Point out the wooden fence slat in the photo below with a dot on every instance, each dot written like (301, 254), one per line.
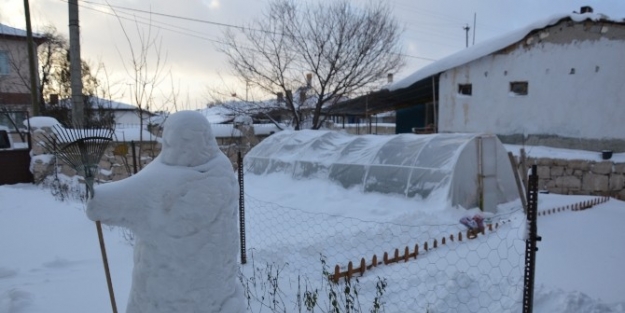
(350, 269)
(337, 274)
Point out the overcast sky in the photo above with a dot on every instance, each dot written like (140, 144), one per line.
(433, 29)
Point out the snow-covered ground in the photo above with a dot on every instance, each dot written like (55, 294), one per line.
(50, 259)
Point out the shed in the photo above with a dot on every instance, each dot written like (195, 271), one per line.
(470, 170)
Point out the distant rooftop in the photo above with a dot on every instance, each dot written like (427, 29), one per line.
(16, 32)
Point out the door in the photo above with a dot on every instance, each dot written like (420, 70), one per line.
(489, 187)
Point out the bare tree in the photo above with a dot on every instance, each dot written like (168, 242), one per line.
(144, 65)
(315, 54)
(55, 71)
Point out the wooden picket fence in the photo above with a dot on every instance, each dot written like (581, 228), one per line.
(580, 206)
(407, 254)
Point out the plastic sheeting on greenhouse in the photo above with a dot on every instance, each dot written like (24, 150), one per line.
(472, 169)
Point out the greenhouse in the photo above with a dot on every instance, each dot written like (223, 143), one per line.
(471, 170)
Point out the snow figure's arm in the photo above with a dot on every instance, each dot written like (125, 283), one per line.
(120, 203)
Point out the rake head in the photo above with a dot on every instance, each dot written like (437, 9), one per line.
(80, 148)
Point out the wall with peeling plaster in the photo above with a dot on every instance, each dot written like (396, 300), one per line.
(576, 89)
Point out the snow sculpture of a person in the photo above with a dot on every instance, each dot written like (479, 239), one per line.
(182, 210)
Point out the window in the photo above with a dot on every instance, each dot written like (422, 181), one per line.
(4, 63)
(4, 140)
(465, 89)
(518, 88)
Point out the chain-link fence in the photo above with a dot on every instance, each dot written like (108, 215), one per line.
(294, 255)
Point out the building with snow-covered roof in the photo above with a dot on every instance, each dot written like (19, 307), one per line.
(122, 114)
(556, 82)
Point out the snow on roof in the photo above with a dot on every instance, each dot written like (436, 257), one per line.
(41, 121)
(490, 46)
(12, 31)
(217, 114)
(110, 104)
(96, 102)
(228, 130)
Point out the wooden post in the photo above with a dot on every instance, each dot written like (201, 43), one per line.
(443, 241)
(517, 179)
(385, 258)
(374, 261)
(396, 256)
(363, 266)
(435, 244)
(416, 250)
(350, 270)
(524, 168)
(451, 237)
(460, 236)
(337, 274)
(425, 246)
(406, 254)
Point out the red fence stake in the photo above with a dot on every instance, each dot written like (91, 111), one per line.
(350, 269)
(337, 274)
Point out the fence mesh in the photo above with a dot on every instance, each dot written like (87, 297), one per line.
(293, 253)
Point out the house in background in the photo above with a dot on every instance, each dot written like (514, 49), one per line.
(118, 114)
(558, 82)
(15, 74)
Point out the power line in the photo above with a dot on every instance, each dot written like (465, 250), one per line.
(176, 17)
(201, 21)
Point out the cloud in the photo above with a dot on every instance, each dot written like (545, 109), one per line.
(213, 4)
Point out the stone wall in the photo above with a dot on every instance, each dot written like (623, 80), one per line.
(580, 177)
(117, 162)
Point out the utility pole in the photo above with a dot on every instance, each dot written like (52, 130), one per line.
(466, 30)
(34, 90)
(78, 106)
(474, 26)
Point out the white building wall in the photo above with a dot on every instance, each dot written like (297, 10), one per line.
(588, 104)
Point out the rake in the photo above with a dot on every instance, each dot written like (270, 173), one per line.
(82, 149)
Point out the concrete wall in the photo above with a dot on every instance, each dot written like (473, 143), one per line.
(580, 177)
(575, 74)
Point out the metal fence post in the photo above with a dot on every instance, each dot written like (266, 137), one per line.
(134, 157)
(530, 242)
(241, 208)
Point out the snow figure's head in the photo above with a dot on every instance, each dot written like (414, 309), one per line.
(188, 140)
